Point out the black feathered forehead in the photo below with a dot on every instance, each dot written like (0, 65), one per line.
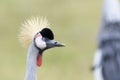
(47, 33)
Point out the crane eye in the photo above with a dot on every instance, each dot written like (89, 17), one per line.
(45, 39)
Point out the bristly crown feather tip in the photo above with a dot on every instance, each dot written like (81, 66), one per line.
(29, 28)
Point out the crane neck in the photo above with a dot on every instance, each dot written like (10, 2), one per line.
(31, 73)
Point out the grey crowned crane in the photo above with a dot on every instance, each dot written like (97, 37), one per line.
(36, 34)
(107, 56)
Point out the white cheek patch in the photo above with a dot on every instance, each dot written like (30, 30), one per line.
(40, 43)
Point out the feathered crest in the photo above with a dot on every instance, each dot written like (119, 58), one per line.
(30, 27)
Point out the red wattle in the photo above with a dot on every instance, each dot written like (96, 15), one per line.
(39, 60)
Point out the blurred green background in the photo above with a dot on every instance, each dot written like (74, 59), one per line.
(74, 22)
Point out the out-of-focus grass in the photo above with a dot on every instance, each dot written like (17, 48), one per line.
(75, 22)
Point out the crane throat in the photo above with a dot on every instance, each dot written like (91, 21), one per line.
(39, 60)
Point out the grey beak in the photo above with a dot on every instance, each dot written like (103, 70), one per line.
(58, 44)
(53, 43)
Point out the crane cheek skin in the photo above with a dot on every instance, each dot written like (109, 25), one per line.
(40, 43)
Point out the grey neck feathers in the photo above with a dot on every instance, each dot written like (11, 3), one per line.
(31, 63)
(110, 24)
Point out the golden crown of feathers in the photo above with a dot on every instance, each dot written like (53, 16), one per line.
(31, 27)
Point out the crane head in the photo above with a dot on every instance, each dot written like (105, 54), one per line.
(45, 40)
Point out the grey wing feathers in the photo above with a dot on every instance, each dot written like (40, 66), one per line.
(111, 60)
